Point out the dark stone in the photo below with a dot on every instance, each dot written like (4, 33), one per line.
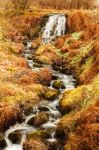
(58, 84)
(54, 77)
(24, 43)
(39, 119)
(60, 133)
(37, 65)
(15, 137)
(3, 143)
(55, 145)
(43, 108)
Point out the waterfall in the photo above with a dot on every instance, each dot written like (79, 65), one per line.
(56, 26)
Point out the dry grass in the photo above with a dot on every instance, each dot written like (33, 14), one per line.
(78, 20)
(86, 134)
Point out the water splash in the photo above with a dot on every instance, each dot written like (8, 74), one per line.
(56, 26)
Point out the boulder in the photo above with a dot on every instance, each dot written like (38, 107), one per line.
(51, 95)
(58, 84)
(15, 137)
(3, 143)
(39, 119)
(39, 134)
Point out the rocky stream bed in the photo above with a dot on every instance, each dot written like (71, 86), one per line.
(43, 119)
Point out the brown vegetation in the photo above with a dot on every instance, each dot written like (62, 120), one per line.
(86, 134)
(82, 21)
(34, 145)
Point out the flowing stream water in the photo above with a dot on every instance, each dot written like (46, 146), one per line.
(53, 28)
(56, 26)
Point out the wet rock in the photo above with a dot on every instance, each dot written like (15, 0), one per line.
(37, 65)
(31, 121)
(29, 57)
(55, 145)
(58, 84)
(29, 110)
(51, 95)
(24, 43)
(3, 143)
(39, 119)
(60, 133)
(40, 134)
(43, 108)
(15, 137)
(54, 77)
(34, 145)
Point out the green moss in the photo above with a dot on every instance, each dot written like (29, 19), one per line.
(76, 35)
(87, 64)
(51, 94)
(86, 49)
(80, 97)
(38, 134)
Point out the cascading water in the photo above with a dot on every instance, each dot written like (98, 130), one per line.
(53, 28)
(56, 26)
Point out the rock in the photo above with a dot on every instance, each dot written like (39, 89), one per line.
(55, 145)
(15, 137)
(34, 145)
(3, 143)
(31, 121)
(39, 119)
(24, 43)
(43, 108)
(58, 84)
(37, 65)
(29, 110)
(29, 57)
(39, 134)
(51, 95)
(54, 77)
(60, 133)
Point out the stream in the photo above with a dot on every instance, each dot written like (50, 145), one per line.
(53, 28)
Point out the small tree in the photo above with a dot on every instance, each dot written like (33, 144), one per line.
(20, 4)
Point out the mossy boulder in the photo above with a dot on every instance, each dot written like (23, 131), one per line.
(3, 143)
(37, 65)
(39, 134)
(39, 119)
(51, 94)
(15, 137)
(58, 84)
(55, 145)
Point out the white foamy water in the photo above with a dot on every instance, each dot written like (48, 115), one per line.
(55, 26)
(14, 147)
